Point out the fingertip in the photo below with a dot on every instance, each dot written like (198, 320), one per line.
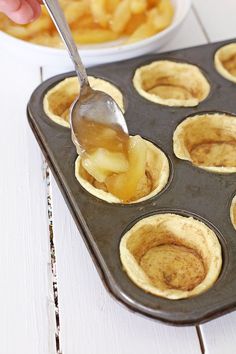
(23, 15)
(37, 13)
(34, 18)
(10, 5)
(36, 9)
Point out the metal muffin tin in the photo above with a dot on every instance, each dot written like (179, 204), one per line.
(190, 190)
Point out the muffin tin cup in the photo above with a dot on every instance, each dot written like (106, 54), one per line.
(191, 191)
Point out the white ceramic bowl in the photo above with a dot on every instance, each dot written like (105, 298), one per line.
(95, 54)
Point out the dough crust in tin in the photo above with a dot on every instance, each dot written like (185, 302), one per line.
(225, 61)
(172, 84)
(208, 141)
(171, 256)
(58, 100)
(233, 212)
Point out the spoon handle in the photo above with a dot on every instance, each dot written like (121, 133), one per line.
(59, 20)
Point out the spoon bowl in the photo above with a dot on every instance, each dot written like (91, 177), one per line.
(93, 106)
(98, 107)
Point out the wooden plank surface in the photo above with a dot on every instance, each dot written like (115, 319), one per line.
(217, 18)
(189, 35)
(219, 336)
(26, 305)
(91, 322)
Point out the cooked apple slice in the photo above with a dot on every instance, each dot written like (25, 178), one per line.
(95, 171)
(125, 184)
(103, 163)
(110, 161)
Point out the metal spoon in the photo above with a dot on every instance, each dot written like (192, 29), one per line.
(92, 105)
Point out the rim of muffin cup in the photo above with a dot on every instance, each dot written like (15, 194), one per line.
(185, 72)
(137, 275)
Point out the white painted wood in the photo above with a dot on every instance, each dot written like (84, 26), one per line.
(189, 35)
(26, 306)
(218, 20)
(219, 336)
(217, 17)
(91, 322)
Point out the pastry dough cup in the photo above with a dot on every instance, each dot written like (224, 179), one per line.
(233, 212)
(172, 84)
(58, 100)
(225, 61)
(171, 256)
(208, 141)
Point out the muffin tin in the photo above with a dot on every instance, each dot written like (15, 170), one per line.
(190, 191)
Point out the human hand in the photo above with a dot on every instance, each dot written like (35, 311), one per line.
(21, 11)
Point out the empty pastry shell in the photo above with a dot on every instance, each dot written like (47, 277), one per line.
(225, 61)
(171, 256)
(233, 212)
(157, 175)
(58, 100)
(172, 84)
(208, 141)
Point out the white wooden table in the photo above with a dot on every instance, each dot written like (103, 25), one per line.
(91, 322)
